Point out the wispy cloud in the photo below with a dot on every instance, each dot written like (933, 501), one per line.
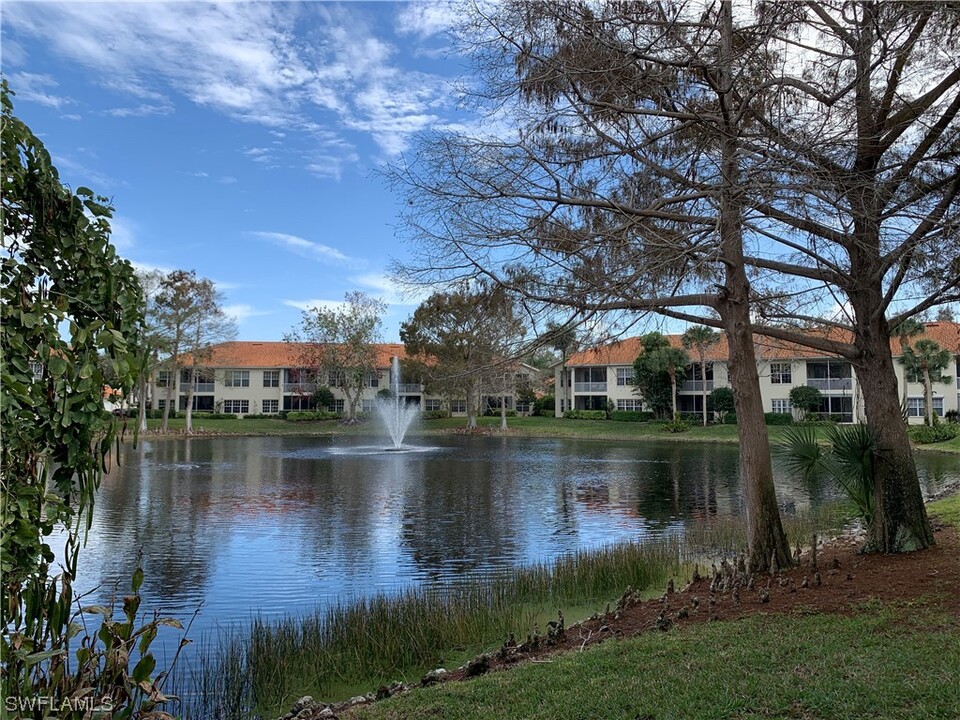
(242, 312)
(426, 19)
(34, 87)
(308, 248)
(308, 305)
(251, 62)
(388, 290)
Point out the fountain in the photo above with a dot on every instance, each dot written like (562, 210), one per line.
(394, 411)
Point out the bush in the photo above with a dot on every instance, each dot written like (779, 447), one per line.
(926, 434)
(677, 425)
(435, 414)
(201, 415)
(262, 416)
(730, 419)
(495, 412)
(772, 418)
(586, 414)
(546, 405)
(311, 416)
(952, 416)
(691, 418)
(631, 415)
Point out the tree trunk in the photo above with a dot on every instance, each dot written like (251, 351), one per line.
(673, 389)
(503, 412)
(900, 522)
(171, 383)
(472, 402)
(142, 408)
(766, 539)
(928, 395)
(188, 423)
(703, 386)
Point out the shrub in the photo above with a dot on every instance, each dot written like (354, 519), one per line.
(952, 416)
(263, 416)
(495, 412)
(926, 434)
(585, 414)
(435, 414)
(805, 398)
(545, 406)
(201, 415)
(772, 418)
(631, 415)
(720, 400)
(730, 419)
(677, 425)
(311, 416)
(691, 418)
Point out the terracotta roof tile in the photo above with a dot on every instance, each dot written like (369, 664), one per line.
(253, 354)
(625, 351)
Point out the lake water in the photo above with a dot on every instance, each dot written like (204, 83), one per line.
(276, 525)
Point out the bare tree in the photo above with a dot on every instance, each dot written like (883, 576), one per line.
(187, 320)
(667, 159)
(340, 345)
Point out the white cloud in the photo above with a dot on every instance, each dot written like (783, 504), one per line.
(227, 180)
(123, 232)
(144, 268)
(388, 290)
(72, 116)
(425, 19)
(242, 312)
(308, 248)
(308, 305)
(34, 87)
(307, 68)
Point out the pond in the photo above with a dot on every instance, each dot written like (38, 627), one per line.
(278, 525)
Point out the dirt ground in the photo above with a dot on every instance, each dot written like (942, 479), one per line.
(847, 580)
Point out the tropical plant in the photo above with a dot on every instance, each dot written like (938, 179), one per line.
(323, 397)
(721, 402)
(905, 331)
(925, 362)
(849, 460)
(657, 368)
(700, 338)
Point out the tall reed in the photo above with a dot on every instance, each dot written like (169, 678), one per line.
(369, 641)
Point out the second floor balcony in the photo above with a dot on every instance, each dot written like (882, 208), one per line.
(696, 385)
(828, 384)
(197, 387)
(590, 387)
(409, 388)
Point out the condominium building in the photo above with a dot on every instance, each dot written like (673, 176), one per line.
(246, 378)
(592, 378)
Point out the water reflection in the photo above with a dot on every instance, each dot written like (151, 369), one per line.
(277, 524)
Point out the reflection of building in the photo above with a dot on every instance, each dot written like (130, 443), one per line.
(266, 378)
(589, 379)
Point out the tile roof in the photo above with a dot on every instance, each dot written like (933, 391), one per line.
(253, 354)
(625, 351)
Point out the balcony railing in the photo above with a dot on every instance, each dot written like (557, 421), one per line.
(303, 388)
(590, 387)
(198, 387)
(409, 388)
(695, 386)
(830, 383)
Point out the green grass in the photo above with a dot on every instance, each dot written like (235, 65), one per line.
(526, 426)
(868, 666)
(947, 509)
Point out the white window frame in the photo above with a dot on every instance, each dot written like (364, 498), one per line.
(236, 378)
(781, 373)
(271, 378)
(458, 406)
(917, 407)
(624, 376)
(630, 404)
(432, 404)
(781, 405)
(271, 406)
(236, 407)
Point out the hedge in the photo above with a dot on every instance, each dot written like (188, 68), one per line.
(925, 434)
(773, 418)
(316, 415)
(586, 414)
(435, 414)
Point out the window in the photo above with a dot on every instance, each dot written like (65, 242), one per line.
(271, 378)
(369, 406)
(237, 378)
(633, 405)
(781, 374)
(337, 406)
(429, 405)
(780, 405)
(271, 406)
(624, 376)
(163, 378)
(371, 380)
(916, 407)
(458, 406)
(237, 406)
(161, 404)
(298, 402)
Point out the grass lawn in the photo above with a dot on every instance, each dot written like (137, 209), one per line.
(523, 426)
(872, 665)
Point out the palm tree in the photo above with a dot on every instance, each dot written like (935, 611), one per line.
(904, 332)
(925, 362)
(672, 361)
(700, 338)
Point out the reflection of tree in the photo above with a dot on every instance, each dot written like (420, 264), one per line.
(463, 518)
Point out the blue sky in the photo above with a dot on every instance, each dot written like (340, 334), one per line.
(239, 140)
